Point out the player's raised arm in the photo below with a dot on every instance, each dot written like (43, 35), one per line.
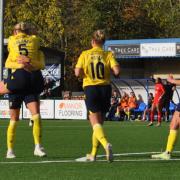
(172, 80)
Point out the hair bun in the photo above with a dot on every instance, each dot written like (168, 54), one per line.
(99, 36)
(22, 26)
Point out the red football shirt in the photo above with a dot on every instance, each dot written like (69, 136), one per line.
(159, 91)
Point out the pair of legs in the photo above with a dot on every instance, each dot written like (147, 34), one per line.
(119, 110)
(146, 111)
(127, 113)
(173, 133)
(34, 108)
(158, 108)
(122, 112)
(98, 103)
(167, 112)
(98, 136)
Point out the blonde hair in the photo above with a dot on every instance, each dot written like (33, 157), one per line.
(99, 36)
(22, 26)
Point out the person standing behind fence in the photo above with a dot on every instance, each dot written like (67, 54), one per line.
(148, 107)
(94, 66)
(132, 104)
(123, 105)
(157, 103)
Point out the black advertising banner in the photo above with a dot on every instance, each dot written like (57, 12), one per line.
(125, 50)
(178, 49)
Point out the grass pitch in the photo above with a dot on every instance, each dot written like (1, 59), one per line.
(65, 141)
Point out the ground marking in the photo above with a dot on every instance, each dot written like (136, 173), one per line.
(98, 160)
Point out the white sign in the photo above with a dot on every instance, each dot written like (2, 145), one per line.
(53, 72)
(46, 110)
(158, 49)
(70, 109)
(4, 109)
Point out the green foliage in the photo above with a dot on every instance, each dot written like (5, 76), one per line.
(45, 15)
(166, 14)
(68, 24)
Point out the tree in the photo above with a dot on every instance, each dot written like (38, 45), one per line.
(68, 24)
(166, 14)
(46, 15)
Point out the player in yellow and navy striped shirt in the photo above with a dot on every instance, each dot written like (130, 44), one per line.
(95, 66)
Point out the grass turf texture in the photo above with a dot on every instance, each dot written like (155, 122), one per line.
(68, 140)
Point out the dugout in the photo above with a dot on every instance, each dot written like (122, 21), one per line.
(144, 59)
(54, 71)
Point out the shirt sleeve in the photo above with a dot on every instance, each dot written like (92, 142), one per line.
(80, 62)
(10, 64)
(112, 60)
(37, 41)
(9, 43)
(40, 62)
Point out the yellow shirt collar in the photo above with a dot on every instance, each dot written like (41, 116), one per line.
(97, 48)
(21, 34)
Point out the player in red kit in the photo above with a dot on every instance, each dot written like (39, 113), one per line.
(157, 103)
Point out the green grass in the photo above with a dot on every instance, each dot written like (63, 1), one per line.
(68, 140)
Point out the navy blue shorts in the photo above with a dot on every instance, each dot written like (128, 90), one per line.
(22, 81)
(178, 107)
(24, 86)
(97, 98)
(16, 100)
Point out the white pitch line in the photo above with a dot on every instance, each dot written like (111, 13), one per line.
(98, 160)
(139, 160)
(38, 162)
(135, 153)
(73, 161)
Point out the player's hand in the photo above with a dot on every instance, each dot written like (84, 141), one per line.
(28, 67)
(23, 59)
(171, 79)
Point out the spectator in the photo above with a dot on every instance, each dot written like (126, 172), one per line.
(114, 103)
(67, 95)
(115, 95)
(139, 99)
(120, 112)
(148, 107)
(132, 104)
(47, 92)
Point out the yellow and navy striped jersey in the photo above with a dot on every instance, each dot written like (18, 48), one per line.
(96, 64)
(23, 44)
